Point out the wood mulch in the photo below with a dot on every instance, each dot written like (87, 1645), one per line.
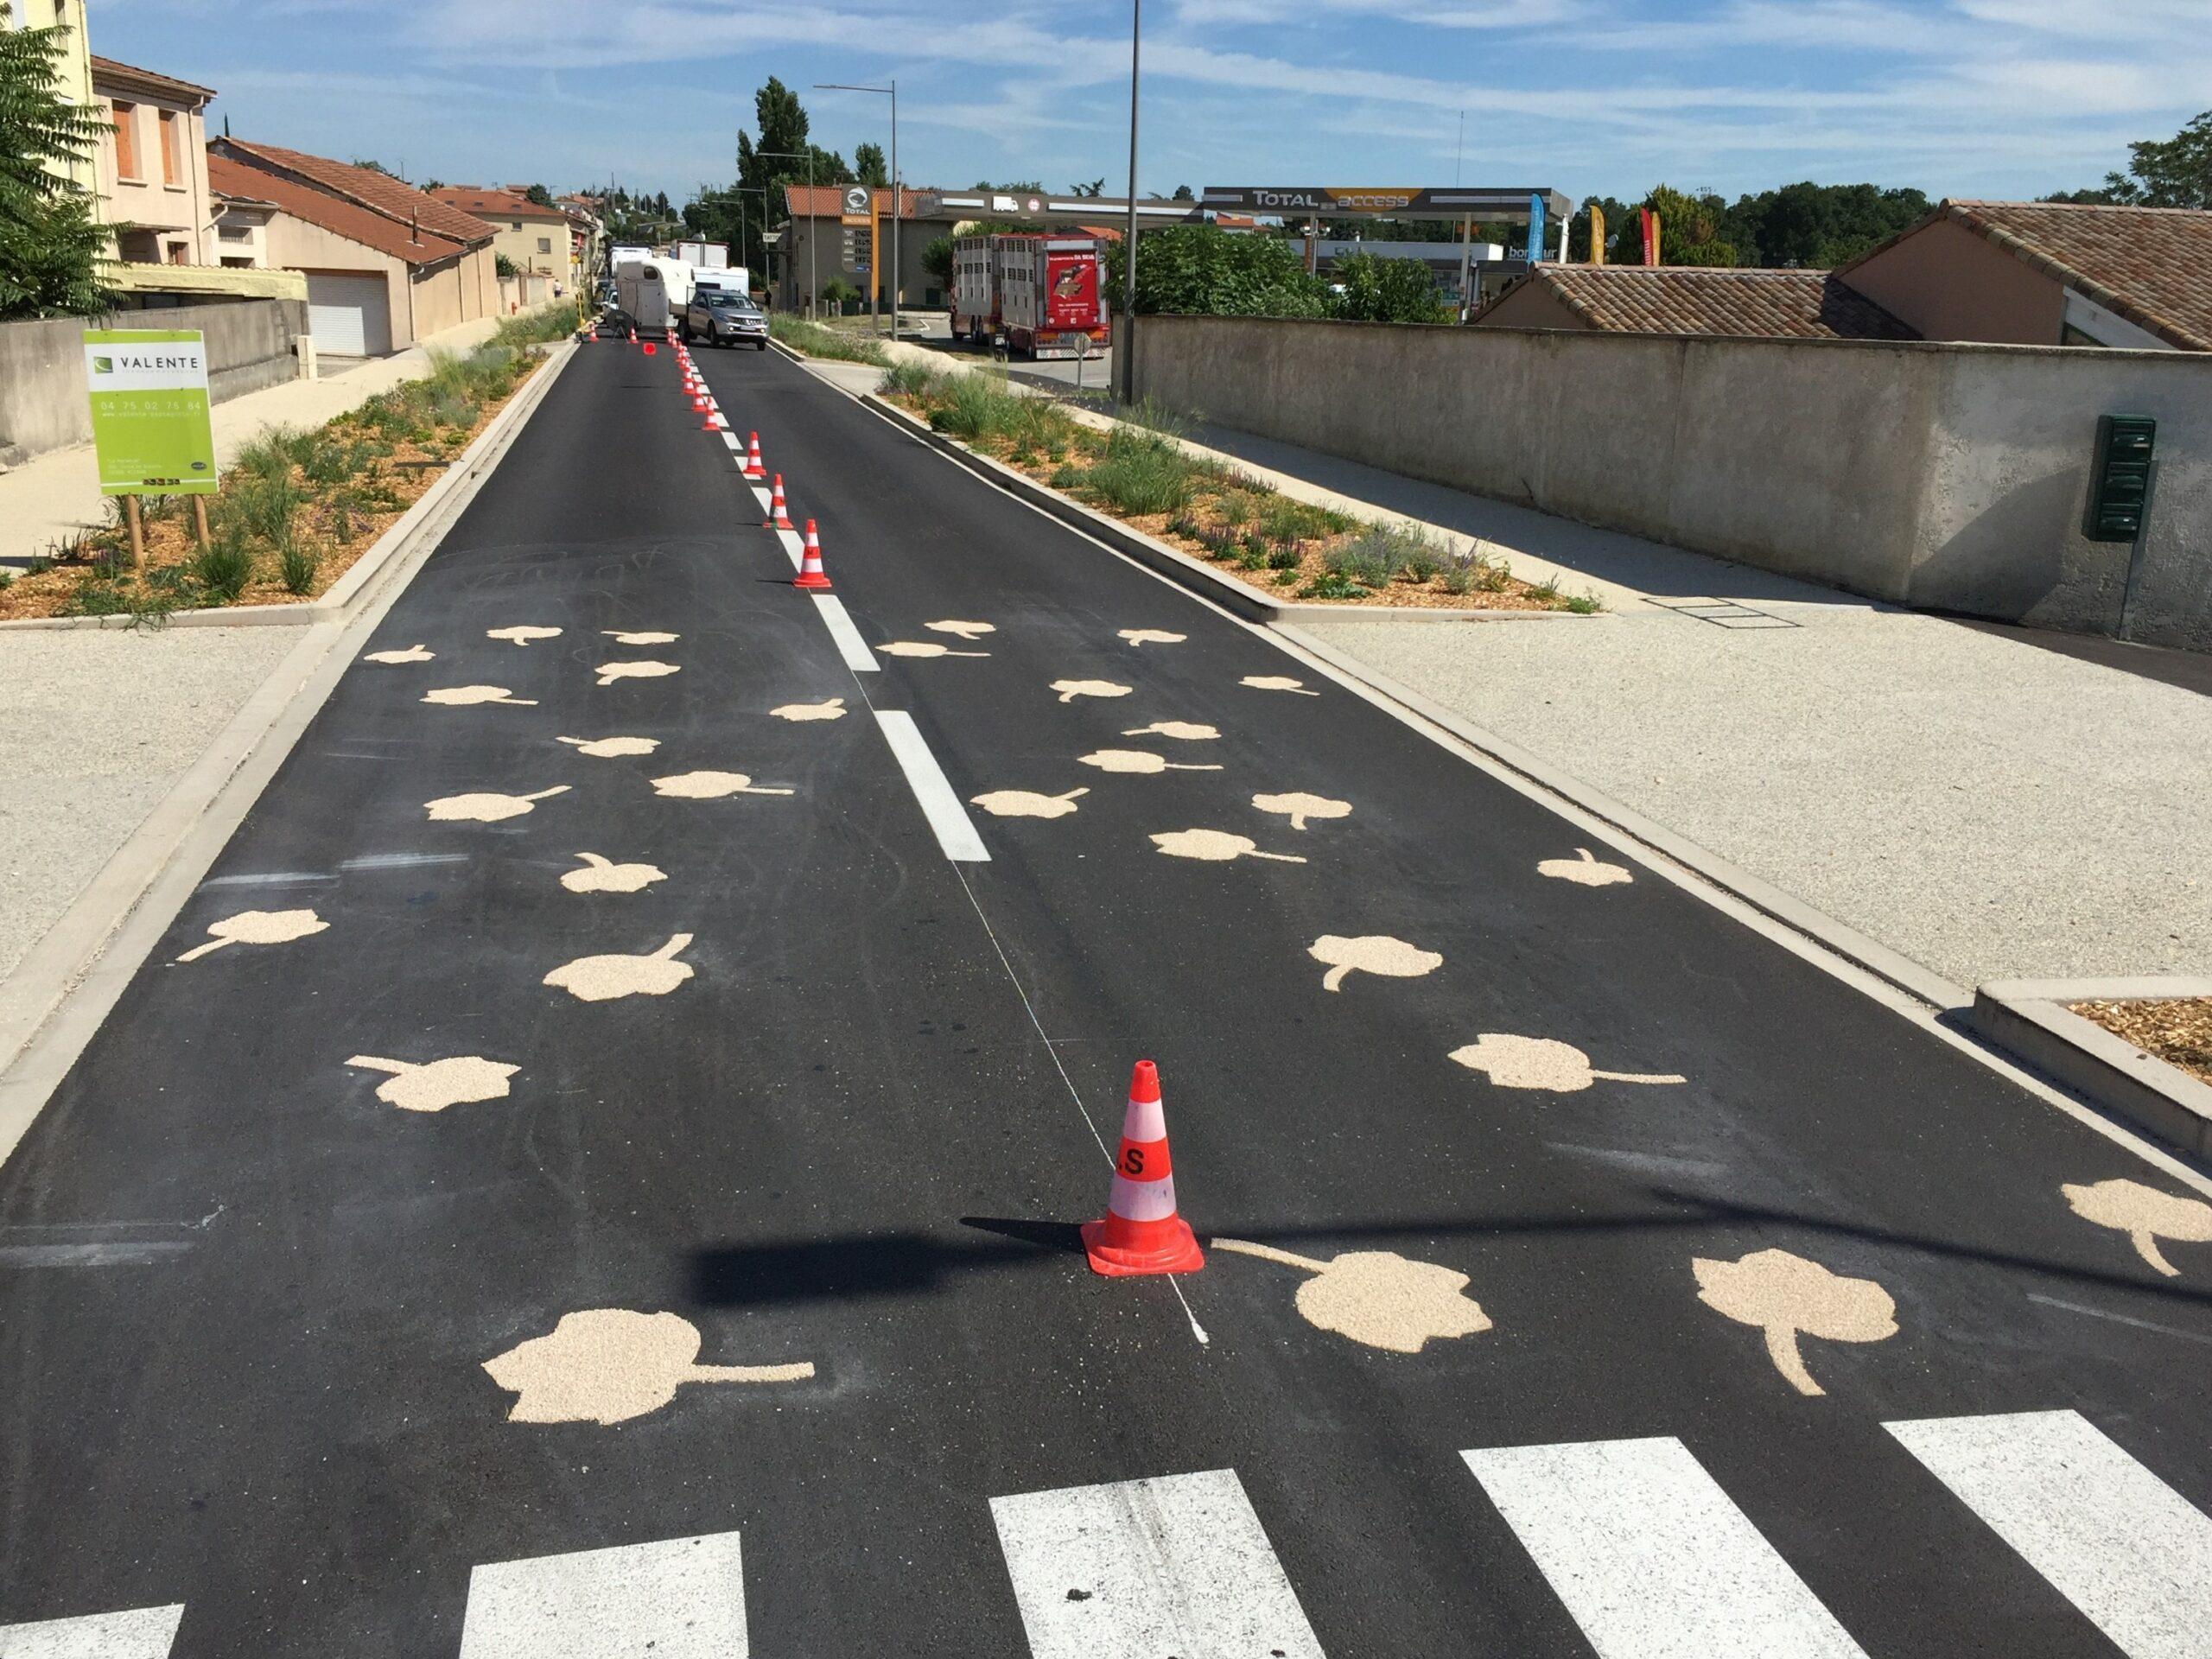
(2177, 1031)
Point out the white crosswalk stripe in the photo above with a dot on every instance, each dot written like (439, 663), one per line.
(140, 1633)
(1139, 1568)
(676, 1599)
(2114, 1539)
(1650, 1556)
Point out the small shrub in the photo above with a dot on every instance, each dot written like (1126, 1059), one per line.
(224, 567)
(1251, 559)
(268, 457)
(1236, 509)
(1332, 584)
(1284, 558)
(1458, 576)
(1219, 542)
(96, 598)
(1152, 416)
(296, 565)
(264, 507)
(1066, 476)
(1183, 524)
(914, 379)
(38, 565)
(326, 460)
(1583, 603)
(1547, 591)
(7, 579)
(1141, 472)
(1423, 566)
(1284, 578)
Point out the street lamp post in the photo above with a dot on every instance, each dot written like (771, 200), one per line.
(1125, 356)
(897, 190)
(807, 156)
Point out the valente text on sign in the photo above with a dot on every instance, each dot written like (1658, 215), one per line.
(148, 390)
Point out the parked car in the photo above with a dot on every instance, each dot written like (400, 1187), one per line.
(722, 318)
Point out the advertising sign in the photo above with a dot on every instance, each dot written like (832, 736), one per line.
(1072, 300)
(1341, 200)
(149, 389)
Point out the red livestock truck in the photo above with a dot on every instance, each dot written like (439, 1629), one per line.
(1045, 294)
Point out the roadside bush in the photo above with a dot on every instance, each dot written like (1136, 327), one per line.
(297, 564)
(1141, 472)
(264, 507)
(225, 566)
(974, 407)
(1284, 558)
(1332, 584)
(269, 456)
(816, 342)
(1235, 508)
(914, 379)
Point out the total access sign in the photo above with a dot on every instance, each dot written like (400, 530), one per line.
(148, 390)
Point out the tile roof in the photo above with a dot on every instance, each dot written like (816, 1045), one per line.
(497, 204)
(830, 199)
(380, 192)
(1707, 299)
(109, 69)
(242, 183)
(2150, 265)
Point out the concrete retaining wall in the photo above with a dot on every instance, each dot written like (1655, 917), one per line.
(1947, 476)
(42, 398)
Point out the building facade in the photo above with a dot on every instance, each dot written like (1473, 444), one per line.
(530, 237)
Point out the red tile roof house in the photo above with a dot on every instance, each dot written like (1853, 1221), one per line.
(387, 266)
(534, 238)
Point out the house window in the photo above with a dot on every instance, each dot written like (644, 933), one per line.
(126, 141)
(172, 157)
(180, 253)
(231, 232)
(545, 245)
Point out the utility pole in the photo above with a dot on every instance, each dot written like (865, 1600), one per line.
(1125, 351)
(876, 276)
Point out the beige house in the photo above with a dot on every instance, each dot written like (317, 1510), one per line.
(153, 165)
(75, 81)
(386, 265)
(531, 238)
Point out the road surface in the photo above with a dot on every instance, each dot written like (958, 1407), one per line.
(734, 1306)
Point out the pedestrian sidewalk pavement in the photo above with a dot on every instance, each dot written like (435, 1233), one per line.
(52, 497)
(1988, 802)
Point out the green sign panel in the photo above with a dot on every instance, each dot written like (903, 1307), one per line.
(149, 410)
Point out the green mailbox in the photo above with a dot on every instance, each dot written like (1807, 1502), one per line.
(2120, 483)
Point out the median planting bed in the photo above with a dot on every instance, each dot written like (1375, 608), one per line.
(296, 508)
(1137, 473)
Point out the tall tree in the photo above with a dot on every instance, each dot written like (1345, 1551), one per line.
(539, 195)
(1183, 193)
(867, 165)
(1095, 187)
(777, 158)
(2175, 172)
(51, 248)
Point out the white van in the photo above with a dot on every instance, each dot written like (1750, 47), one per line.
(653, 291)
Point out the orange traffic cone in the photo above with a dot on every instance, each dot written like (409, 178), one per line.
(716, 421)
(753, 469)
(810, 573)
(633, 336)
(779, 516)
(1141, 1232)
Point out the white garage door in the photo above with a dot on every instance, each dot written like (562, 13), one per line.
(348, 316)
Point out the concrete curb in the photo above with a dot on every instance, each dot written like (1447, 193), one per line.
(343, 594)
(1201, 578)
(2030, 1019)
(62, 989)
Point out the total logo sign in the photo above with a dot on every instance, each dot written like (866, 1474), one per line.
(1356, 199)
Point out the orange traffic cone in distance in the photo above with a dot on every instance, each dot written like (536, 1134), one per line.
(779, 516)
(810, 573)
(753, 469)
(1140, 1232)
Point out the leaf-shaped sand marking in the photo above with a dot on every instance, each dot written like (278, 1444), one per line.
(610, 672)
(1071, 690)
(465, 696)
(486, 807)
(924, 648)
(257, 927)
(433, 1085)
(603, 979)
(709, 786)
(609, 1365)
(608, 749)
(1588, 870)
(604, 875)
(639, 637)
(1788, 1296)
(1542, 1063)
(965, 630)
(1370, 953)
(1277, 683)
(522, 635)
(1216, 847)
(1190, 731)
(1378, 1298)
(1141, 762)
(2144, 1214)
(412, 654)
(833, 709)
(1299, 808)
(1152, 637)
(1028, 804)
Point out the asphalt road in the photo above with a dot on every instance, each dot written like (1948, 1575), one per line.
(247, 1304)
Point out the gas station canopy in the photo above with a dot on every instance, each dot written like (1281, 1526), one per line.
(1514, 204)
(1051, 209)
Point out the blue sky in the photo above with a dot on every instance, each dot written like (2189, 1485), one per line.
(1988, 97)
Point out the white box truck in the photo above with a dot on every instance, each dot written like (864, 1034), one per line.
(652, 292)
(704, 256)
(1044, 294)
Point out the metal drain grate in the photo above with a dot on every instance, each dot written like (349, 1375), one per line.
(1723, 613)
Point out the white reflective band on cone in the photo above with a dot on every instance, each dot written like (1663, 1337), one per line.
(1145, 1121)
(1142, 1200)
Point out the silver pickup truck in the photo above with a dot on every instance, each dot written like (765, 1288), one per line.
(722, 318)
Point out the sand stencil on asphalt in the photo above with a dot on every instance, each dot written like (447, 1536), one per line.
(830, 709)
(1189, 731)
(965, 630)
(923, 648)
(639, 637)
(609, 1365)
(2144, 1214)
(1299, 808)
(467, 696)
(521, 633)
(608, 749)
(1788, 1296)
(433, 1085)
(645, 669)
(1152, 637)
(488, 807)
(1028, 804)
(1377, 1298)
(604, 875)
(710, 785)
(1370, 953)
(1277, 683)
(1071, 690)
(1216, 847)
(1139, 762)
(1586, 869)
(604, 979)
(257, 927)
(1543, 1062)
(412, 654)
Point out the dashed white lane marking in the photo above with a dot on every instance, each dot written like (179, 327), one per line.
(733, 441)
(955, 831)
(1138, 1568)
(851, 646)
(678, 1598)
(2117, 1541)
(140, 1633)
(1650, 1556)
(766, 500)
(794, 546)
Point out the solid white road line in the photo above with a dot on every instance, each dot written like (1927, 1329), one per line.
(2117, 1541)
(851, 646)
(140, 1633)
(679, 1599)
(1138, 1568)
(794, 544)
(1650, 1556)
(955, 832)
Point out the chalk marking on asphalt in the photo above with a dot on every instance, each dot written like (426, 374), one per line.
(275, 879)
(2121, 1544)
(402, 861)
(2118, 1318)
(678, 1598)
(955, 830)
(1653, 1162)
(1805, 944)
(140, 1633)
(1651, 1557)
(144, 1254)
(851, 646)
(1136, 1569)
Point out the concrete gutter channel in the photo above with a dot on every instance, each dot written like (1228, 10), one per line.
(63, 987)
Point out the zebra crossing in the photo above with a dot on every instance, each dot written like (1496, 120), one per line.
(1646, 1553)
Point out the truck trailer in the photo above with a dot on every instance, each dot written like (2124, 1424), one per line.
(1043, 295)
